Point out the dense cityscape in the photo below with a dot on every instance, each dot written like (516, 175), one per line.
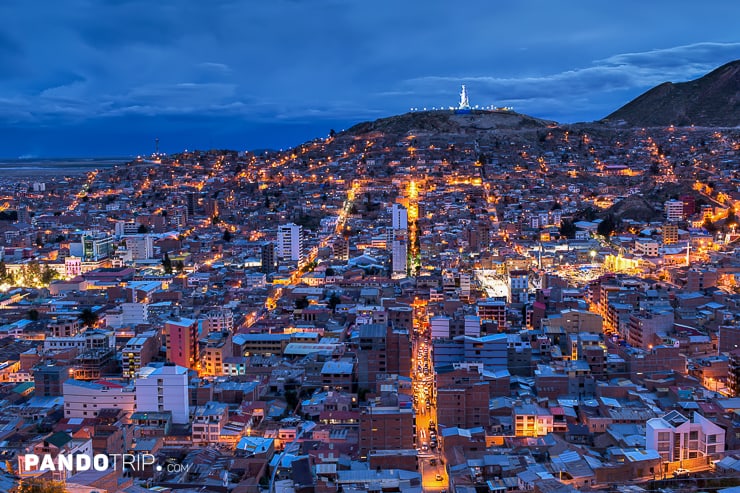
(453, 300)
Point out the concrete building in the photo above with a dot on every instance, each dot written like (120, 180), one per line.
(674, 210)
(676, 437)
(86, 399)
(531, 420)
(164, 388)
(386, 428)
(290, 242)
(181, 339)
(138, 352)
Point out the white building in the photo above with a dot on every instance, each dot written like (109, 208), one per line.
(472, 326)
(674, 210)
(400, 255)
(140, 247)
(400, 217)
(647, 247)
(86, 399)
(290, 242)
(675, 437)
(164, 388)
(440, 327)
(127, 315)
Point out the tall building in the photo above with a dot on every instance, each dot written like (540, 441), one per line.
(164, 388)
(670, 234)
(140, 247)
(733, 373)
(290, 242)
(181, 338)
(399, 255)
(400, 217)
(268, 258)
(383, 350)
(386, 428)
(674, 210)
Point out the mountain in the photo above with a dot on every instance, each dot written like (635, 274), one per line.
(450, 122)
(710, 101)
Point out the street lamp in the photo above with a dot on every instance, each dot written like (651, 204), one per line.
(593, 256)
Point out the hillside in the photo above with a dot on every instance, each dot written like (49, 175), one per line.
(710, 101)
(444, 122)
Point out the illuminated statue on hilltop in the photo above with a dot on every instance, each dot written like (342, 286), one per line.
(464, 103)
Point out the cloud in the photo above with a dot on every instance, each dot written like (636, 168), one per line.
(589, 87)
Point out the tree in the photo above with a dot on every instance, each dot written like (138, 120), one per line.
(568, 229)
(40, 486)
(301, 303)
(179, 266)
(227, 236)
(33, 315)
(332, 133)
(142, 229)
(88, 317)
(334, 300)
(3, 270)
(48, 274)
(607, 226)
(167, 264)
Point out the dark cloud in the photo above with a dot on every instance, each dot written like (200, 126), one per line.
(203, 67)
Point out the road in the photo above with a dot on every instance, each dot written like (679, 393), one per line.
(431, 464)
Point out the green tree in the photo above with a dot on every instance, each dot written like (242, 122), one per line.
(167, 264)
(40, 486)
(88, 317)
(48, 274)
(33, 315)
(142, 229)
(3, 271)
(301, 303)
(227, 236)
(334, 300)
(179, 266)
(607, 226)
(567, 228)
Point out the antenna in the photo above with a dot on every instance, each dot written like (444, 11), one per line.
(156, 146)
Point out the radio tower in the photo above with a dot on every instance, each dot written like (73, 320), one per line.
(464, 103)
(156, 146)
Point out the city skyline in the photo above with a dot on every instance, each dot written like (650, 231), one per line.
(107, 80)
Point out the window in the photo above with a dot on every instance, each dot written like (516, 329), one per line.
(711, 438)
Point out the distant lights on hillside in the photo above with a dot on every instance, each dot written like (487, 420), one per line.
(463, 105)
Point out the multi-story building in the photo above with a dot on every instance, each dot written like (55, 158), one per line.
(674, 210)
(217, 348)
(164, 388)
(733, 373)
(86, 399)
(517, 286)
(383, 350)
(49, 379)
(531, 420)
(387, 428)
(644, 326)
(670, 233)
(208, 422)
(676, 437)
(181, 339)
(492, 310)
(399, 217)
(290, 242)
(137, 353)
(139, 247)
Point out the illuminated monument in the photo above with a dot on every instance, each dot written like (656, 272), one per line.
(464, 103)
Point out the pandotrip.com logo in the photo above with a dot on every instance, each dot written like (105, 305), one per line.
(31, 463)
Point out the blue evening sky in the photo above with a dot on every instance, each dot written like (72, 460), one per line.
(105, 77)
